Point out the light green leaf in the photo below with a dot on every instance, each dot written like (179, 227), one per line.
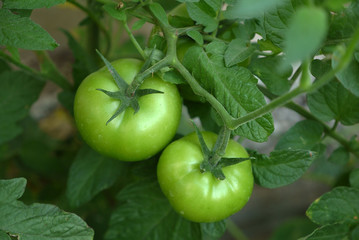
(234, 87)
(281, 168)
(195, 35)
(355, 233)
(293, 229)
(18, 91)
(306, 32)
(237, 51)
(21, 32)
(303, 135)
(341, 205)
(274, 23)
(273, 72)
(119, 14)
(160, 13)
(31, 4)
(11, 189)
(145, 213)
(4, 236)
(90, 174)
(245, 9)
(203, 14)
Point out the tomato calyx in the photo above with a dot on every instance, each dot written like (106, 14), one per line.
(126, 98)
(213, 160)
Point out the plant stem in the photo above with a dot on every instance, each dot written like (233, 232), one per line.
(94, 18)
(235, 231)
(219, 148)
(136, 83)
(134, 41)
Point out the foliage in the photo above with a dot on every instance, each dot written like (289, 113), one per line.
(243, 60)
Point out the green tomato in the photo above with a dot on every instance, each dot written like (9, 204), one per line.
(197, 196)
(130, 136)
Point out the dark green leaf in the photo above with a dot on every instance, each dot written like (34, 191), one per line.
(30, 4)
(145, 213)
(172, 76)
(250, 8)
(90, 174)
(42, 222)
(203, 14)
(333, 101)
(354, 178)
(237, 52)
(355, 233)
(195, 35)
(21, 32)
(343, 23)
(84, 63)
(306, 31)
(11, 189)
(281, 168)
(274, 23)
(115, 12)
(4, 66)
(339, 156)
(234, 87)
(18, 91)
(213, 231)
(271, 71)
(348, 76)
(50, 70)
(341, 205)
(159, 13)
(329, 232)
(293, 229)
(303, 135)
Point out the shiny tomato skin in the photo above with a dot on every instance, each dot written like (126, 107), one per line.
(200, 197)
(128, 137)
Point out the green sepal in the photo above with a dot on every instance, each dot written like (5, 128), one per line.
(121, 84)
(206, 152)
(225, 162)
(216, 171)
(143, 92)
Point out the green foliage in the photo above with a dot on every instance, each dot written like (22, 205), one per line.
(242, 60)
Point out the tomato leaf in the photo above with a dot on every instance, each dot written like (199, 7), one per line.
(234, 87)
(341, 205)
(281, 168)
(30, 4)
(237, 52)
(339, 156)
(90, 174)
(332, 101)
(195, 35)
(12, 189)
(18, 91)
(273, 72)
(159, 13)
(4, 236)
(21, 32)
(274, 23)
(115, 12)
(306, 32)
(144, 212)
(203, 13)
(331, 231)
(305, 134)
(244, 9)
(28, 222)
(354, 178)
(349, 75)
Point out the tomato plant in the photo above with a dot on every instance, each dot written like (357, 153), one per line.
(272, 87)
(130, 136)
(199, 196)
